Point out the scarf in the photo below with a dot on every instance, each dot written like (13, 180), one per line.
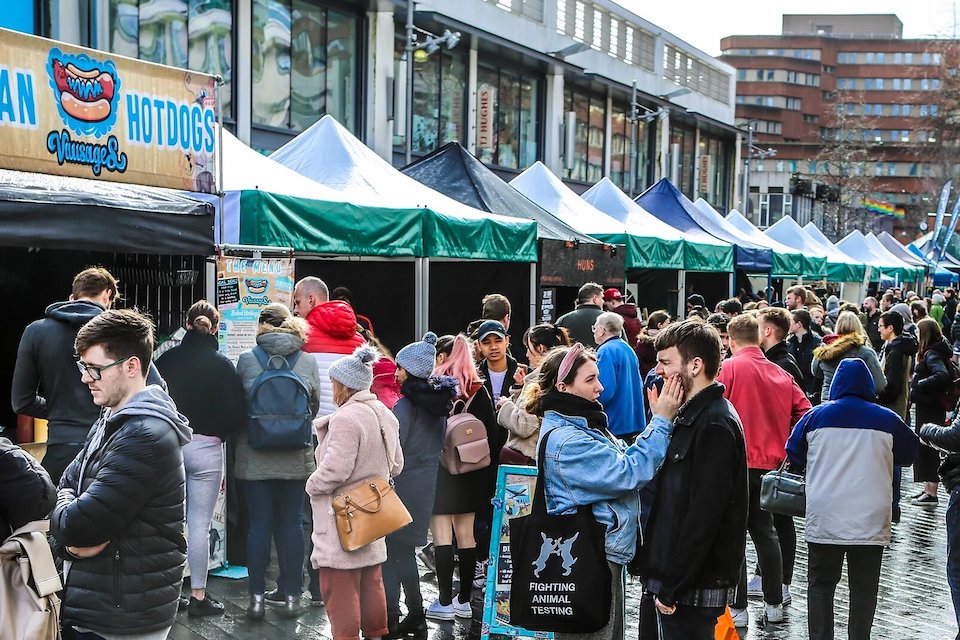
(569, 404)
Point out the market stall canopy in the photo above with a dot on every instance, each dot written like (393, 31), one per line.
(331, 155)
(657, 245)
(893, 246)
(454, 172)
(948, 259)
(911, 270)
(56, 212)
(787, 261)
(665, 202)
(840, 266)
(855, 245)
(541, 186)
(749, 256)
(267, 204)
(942, 277)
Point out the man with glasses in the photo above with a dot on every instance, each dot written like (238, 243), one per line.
(120, 507)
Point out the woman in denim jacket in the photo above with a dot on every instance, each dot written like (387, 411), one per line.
(586, 465)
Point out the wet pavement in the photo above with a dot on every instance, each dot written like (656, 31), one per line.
(914, 601)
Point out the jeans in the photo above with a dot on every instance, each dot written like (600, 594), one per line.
(690, 623)
(400, 570)
(354, 602)
(275, 507)
(764, 536)
(863, 573)
(953, 550)
(203, 463)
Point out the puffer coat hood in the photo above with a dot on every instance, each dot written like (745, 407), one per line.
(838, 348)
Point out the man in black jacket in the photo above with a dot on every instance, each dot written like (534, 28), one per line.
(695, 538)
(45, 381)
(948, 439)
(119, 512)
(579, 322)
(774, 325)
(802, 342)
(872, 312)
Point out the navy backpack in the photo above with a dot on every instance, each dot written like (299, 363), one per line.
(280, 415)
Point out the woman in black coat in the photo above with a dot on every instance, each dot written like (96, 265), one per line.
(930, 379)
(26, 491)
(422, 412)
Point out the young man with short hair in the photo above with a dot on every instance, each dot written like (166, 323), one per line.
(769, 402)
(774, 325)
(579, 322)
(796, 297)
(731, 308)
(496, 307)
(871, 313)
(497, 367)
(694, 540)
(120, 507)
(719, 321)
(802, 342)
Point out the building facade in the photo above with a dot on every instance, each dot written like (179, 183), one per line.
(854, 115)
(529, 80)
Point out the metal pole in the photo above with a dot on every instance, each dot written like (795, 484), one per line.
(419, 325)
(408, 54)
(533, 293)
(218, 84)
(746, 171)
(633, 142)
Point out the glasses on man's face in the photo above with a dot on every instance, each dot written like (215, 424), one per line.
(97, 372)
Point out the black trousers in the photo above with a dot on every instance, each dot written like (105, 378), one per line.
(400, 570)
(764, 536)
(787, 536)
(690, 623)
(825, 564)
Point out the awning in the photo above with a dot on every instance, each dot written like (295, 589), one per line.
(787, 261)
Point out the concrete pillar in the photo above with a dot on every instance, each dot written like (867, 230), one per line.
(378, 128)
(553, 122)
(608, 136)
(471, 141)
(663, 147)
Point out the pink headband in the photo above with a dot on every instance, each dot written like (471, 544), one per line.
(567, 363)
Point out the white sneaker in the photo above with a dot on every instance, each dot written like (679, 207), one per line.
(755, 587)
(480, 578)
(741, 617)
(437, 611)
(787, 598)
(462, 609)
(773, 613)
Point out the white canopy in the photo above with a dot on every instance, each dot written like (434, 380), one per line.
(609, 199)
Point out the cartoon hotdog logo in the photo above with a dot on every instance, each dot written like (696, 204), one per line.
(256, 286)
(87, 92)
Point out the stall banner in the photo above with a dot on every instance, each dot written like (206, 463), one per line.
(244, 287)
(67, 110)
(513, 499)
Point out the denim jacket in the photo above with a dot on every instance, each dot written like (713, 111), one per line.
(583, 467)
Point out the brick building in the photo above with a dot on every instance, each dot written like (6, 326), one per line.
(855, 115)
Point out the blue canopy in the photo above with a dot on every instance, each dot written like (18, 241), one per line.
(667, 203)
(942, 277)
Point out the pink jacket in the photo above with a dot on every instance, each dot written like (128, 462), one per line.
(350, 449)
(768, 401)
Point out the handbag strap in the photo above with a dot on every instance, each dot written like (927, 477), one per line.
(383, 436)
(32, 540)
(539, 504)
(466, 405)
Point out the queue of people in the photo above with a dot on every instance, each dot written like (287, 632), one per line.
(641, 420)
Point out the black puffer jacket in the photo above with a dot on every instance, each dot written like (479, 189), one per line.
(205, 385)
(779, 354)
(931, 375)
(26, 492)
(127, 487)
(696, 534)
(947, 439)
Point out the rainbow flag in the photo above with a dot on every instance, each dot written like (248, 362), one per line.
(883, 208)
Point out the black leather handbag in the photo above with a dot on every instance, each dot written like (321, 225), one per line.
(783, 493)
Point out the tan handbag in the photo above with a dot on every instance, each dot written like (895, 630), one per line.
(29, 606)
(370, 510)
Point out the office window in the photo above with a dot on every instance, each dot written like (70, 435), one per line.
(924, 111)
(507, 125)
(760, 74)
(769, 74)
(895, 110)
(439, 97)
(907, 84)
(870, 58)
(880, 57)
(925, 58)
(741, 99)
(934, 109)
(908, 58)
(935, 84)
(924, 85)
(793, 104)
(589, 136)
(741, 74)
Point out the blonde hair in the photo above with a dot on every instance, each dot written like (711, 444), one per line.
(277, 317)
(848, 323)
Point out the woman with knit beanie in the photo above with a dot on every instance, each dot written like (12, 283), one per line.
(358, 440)
(460, 497)
(208, 390)
(422, 412)
(273, 480)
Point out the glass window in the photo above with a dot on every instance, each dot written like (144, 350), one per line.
(924, 85)
(907, 84)
(925, 58)
(589, 138)
(438, 100)
(870, 58)
(898, 58)
(896, 84)
(923, 111)
(308, 64)
(935, 84)
(905, 109)
(895, 110)
(759, 74)
(209, 25)
(343, 69)
(908, 58)
(934, 109)
(271, 63)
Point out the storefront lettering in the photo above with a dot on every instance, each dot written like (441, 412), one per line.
(585, 265)
(18, 105)
(162, 122)
(244, 265)
(96, 156)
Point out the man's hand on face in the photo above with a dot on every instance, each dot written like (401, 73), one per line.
(87, 552)
(667, 402)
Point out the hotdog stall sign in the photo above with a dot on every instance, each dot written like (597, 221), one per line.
(67, 110)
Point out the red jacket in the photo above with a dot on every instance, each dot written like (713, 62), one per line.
(385, 385)
(769, 403)
(333, 329)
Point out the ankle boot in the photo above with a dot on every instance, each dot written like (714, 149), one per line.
(291, 607)
(255, 610)
(413, 626)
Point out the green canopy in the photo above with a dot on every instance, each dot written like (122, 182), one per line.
(319, 226)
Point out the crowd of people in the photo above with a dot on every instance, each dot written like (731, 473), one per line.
(665, 429)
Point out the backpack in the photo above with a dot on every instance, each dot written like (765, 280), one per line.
(29, 583)
(951, 393)
(279, 403)
(465, 445)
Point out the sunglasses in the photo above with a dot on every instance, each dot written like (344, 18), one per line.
(97, 372)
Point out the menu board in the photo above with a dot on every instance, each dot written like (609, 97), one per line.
(244, 287)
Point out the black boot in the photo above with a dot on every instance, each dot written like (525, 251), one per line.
(413, 626)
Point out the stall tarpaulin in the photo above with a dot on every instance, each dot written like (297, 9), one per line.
(55, 212)
(910, 269)
(748, 255)
(840, 267)
(856, 245)
(244, 287)
(787, 261)
(67, 110)
(942, 277)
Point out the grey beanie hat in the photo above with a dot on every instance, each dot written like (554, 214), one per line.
(904, 310)
(355, 371)
(419, 358)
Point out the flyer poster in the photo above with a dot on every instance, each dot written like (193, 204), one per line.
(513, 499)
(244, 287)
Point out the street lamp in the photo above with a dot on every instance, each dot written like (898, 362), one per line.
(642, 113)
(752, 152)
(430, 45)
